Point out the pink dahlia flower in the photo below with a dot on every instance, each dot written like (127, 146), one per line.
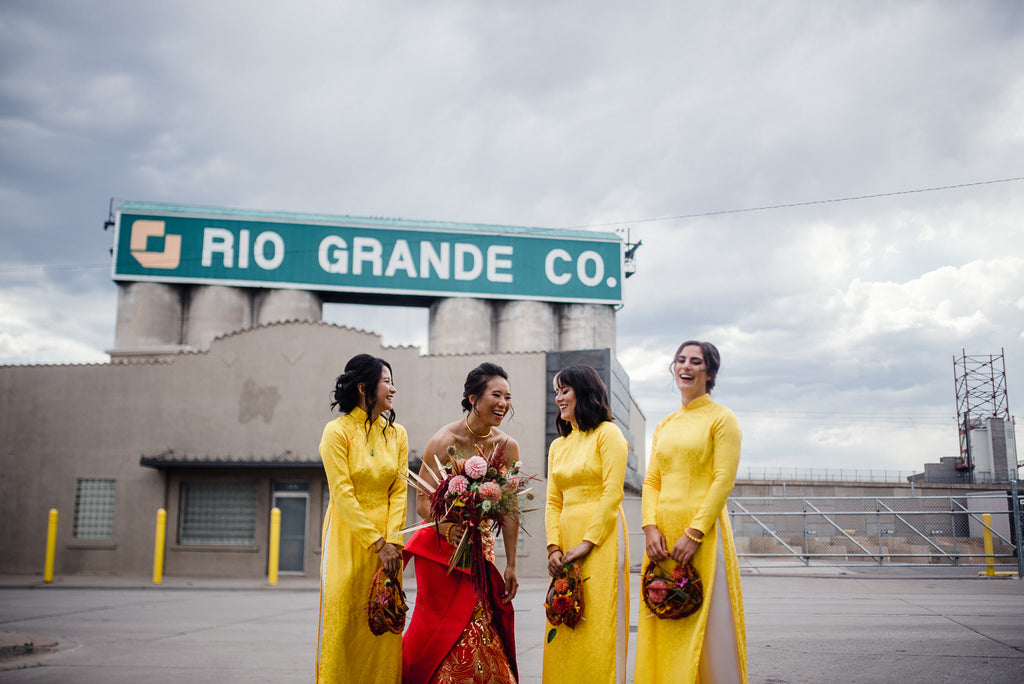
(657, 591)
(457, 485)
(476, 467)
(490, 490)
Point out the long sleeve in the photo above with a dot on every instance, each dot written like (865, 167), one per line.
(585, 481)
(652, 486)
(725, 438)
(335, 451)
(613, 451)
(367, 503)
(398, 495)
(553, 504)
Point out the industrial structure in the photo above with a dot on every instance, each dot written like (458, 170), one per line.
(217, 390)
(218, 387)
(186, 275)
(987, 441)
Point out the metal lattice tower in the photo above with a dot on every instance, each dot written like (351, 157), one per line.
(980, 393)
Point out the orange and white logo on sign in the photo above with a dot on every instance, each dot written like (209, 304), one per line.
(142, 230)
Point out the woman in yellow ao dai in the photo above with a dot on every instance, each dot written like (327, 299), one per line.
(585, 524)
(363, 453)
(694, 456)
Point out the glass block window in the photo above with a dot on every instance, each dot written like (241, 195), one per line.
(218, 513)
(94, 509)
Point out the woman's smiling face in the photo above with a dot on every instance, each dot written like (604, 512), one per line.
(385, 391)
(492, 405)
(565, 400)
(691, 372)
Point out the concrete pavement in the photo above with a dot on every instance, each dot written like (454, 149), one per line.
(804, 625)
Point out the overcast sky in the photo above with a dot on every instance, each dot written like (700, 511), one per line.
(837, 321)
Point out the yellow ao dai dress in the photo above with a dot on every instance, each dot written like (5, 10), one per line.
(586, 472)
(694, 456)
(368, 501)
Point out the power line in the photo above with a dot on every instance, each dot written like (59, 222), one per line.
(839, 419)
(795, 204)
(52, 267)
(721, 212)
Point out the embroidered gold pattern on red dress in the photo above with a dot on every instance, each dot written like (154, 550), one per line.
(478, 656)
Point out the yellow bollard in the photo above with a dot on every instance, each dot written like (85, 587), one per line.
(275, 545)
(51, 546)
(158, 546)
(990, 561)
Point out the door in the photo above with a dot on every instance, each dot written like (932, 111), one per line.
(294, 505)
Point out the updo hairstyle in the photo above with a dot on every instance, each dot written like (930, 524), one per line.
(476, 384)
(712, 359)
(366, 369)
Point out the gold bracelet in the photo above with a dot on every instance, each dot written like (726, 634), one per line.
(378, 546)
(552, 551)
(448, 534)
(691, 537)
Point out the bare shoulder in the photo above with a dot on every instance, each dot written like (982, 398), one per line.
(439, 443)
(509, 445)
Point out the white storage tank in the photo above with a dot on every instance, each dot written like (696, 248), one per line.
(215, 310)
(994, 451)
(461, 325)
(149, 315)
(288, 305)
(586, 326)
(525, 326)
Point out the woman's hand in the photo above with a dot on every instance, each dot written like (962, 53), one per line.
(453, 534)
(577, 552)
(656, 548)
(555, 562)
(391, 559)
(511, 584)
(685, 547)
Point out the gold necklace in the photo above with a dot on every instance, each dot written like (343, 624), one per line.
(476, 435)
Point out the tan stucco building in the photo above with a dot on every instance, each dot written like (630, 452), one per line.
(218, 437)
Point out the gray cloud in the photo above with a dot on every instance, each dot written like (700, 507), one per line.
(838, 322)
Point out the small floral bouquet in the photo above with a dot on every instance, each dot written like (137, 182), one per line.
(386, 606)
(475, 493)
(564, 602)
(673, 595)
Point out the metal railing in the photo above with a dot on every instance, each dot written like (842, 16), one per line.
(896, 531)
(823, 474)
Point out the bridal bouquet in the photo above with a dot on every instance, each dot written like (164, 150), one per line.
(474, 493)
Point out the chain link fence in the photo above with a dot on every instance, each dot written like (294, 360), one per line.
(896, 531)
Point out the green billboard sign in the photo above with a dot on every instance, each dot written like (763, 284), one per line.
(180, 244)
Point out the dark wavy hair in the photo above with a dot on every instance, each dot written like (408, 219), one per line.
(476, 383)
(712, 359)
(366, 369)
(592, 405)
